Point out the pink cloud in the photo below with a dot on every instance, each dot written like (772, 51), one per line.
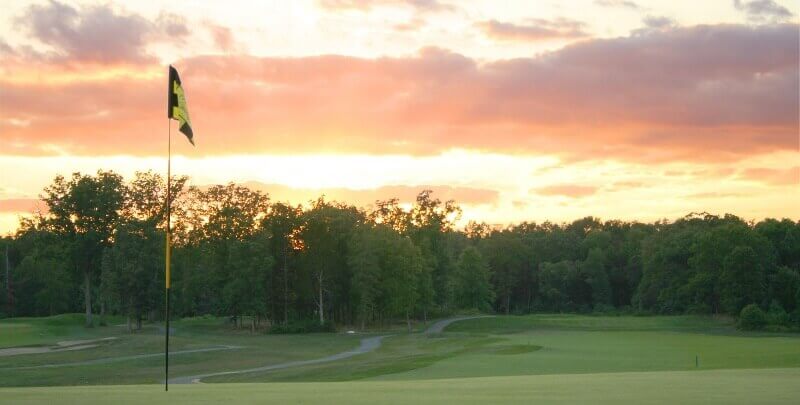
(533, 30)
(788, 176)
(697, 94)
(22, 205)
(566, 190)
(361, 198)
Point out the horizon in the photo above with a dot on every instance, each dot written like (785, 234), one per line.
(637, 111)
(364, 200)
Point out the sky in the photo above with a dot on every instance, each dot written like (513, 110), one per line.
(519, 110)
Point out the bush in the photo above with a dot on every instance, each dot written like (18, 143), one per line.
(776, 315)
(794, 317)
(303, 326)
(604, 309)
(752, 318)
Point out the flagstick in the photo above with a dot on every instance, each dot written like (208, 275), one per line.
(169, 203)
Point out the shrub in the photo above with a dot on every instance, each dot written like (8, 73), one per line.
(794, 317)
(752, 318)
(776, 315)
(604, 309)
(303, 326)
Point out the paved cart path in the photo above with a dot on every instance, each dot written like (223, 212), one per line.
(367, 345)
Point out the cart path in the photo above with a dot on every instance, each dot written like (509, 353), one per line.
(367, 345)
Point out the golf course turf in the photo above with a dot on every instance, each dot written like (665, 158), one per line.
(508, 359)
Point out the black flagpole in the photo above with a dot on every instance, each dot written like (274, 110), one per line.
(168, 248)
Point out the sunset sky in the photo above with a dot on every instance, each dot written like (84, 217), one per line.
(520, 110)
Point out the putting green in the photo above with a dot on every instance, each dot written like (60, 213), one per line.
(763, 386)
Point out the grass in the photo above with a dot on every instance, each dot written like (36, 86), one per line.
(16, 332)
(686, 387)
(555, 344)
(598, 344)
(502, 359)
(256, 350)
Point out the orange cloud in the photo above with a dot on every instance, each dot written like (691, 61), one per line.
(697, 94)
(773, 176)
(533, 30)
(365, 5)
(22, 205)
(362, 198)
(566, 190)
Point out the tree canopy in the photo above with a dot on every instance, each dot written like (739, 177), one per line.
(100, 244)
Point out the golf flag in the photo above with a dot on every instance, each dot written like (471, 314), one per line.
(177, 109)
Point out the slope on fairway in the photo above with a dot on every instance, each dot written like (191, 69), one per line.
(701, 387)
(569, 351)
(16, 332)
(555, 344)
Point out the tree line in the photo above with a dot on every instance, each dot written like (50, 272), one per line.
(99, 248)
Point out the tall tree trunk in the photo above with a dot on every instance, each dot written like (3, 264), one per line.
(508, 303)
(408, 322)
(8, 285)
(285, 286)
(321, 305)
(130, 324)
(102, 312)
(87, 296)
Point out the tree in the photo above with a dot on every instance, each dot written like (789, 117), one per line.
(364, 263)
(324, 234)
(594, 272)
(402, 267)
(133, 270)
(506, 256)
(249, 265)
(43, 283)
(282, 225)
(783, 285)
(84, 211)
(425, 292)
(431, 223)
(472, 287)
(558, 285)
(742, 279)
(225, 212)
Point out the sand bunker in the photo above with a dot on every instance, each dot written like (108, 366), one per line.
(63, 346)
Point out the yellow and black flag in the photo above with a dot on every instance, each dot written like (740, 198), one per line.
(177, 109)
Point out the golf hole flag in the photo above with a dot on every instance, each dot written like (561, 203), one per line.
(177, 109)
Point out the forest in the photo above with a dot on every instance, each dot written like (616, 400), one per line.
(98, 248)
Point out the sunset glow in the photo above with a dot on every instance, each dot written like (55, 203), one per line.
(532, 111)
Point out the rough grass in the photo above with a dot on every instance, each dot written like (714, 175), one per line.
(15, 332)
(684, 387)
(500, 346)
(257, 350)
(518, 324)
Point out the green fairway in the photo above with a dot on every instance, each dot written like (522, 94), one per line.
(510, 359)
(555, 344)
(116, 361)
(700, 387)
(581, 344)
(46, 331)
